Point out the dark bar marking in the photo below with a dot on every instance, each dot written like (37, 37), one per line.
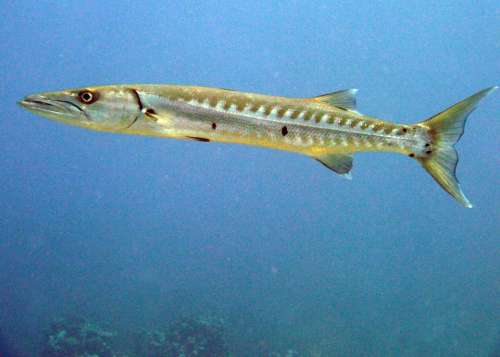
(138, 99)
(255, 107)
(139, 104)
(212, 101)
(204, 140)
(284, 131)
(281, 112)
(318, 117)
(240, 106)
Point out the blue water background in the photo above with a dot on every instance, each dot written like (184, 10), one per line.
(134, 232)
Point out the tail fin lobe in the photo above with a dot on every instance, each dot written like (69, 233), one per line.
(446, 128)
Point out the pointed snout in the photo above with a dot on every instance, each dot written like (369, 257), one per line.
(55, 107)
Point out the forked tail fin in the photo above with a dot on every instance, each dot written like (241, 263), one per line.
(446, 128)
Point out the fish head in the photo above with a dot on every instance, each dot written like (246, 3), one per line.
(113, 108)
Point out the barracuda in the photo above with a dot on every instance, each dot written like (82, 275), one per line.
(326, 128)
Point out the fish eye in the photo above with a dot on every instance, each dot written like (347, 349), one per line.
(87, 97)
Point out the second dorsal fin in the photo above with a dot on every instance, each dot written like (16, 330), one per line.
(343, 98)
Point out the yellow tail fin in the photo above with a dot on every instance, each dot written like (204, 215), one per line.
(446, 129)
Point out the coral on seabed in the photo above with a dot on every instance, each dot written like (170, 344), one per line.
(75, 337)
(187, 337)
(196, 337)
(149, 343)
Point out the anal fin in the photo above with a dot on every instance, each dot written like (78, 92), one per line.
(339, 163)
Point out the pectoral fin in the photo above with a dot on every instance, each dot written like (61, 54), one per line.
(340, 163)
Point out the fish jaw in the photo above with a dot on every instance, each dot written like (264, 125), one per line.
(108, 108)
(55, 108)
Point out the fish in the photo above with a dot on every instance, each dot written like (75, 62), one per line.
(327, 128)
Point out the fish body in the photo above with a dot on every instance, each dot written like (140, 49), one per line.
(327, 128)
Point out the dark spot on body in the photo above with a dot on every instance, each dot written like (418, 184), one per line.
(427, 145)
(284, 131)
(405, 130)
(428, 152)
(411, 155)
(150, 113)
(214, 126)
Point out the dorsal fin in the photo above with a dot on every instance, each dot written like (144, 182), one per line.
(343, 98)
(340, 163)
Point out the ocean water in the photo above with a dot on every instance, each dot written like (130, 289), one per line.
(135, 233)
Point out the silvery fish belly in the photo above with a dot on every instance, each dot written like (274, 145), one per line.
(327, 128)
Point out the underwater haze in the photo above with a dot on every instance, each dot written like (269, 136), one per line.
(134, 234)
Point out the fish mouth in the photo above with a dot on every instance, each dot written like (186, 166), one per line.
(57, 109)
